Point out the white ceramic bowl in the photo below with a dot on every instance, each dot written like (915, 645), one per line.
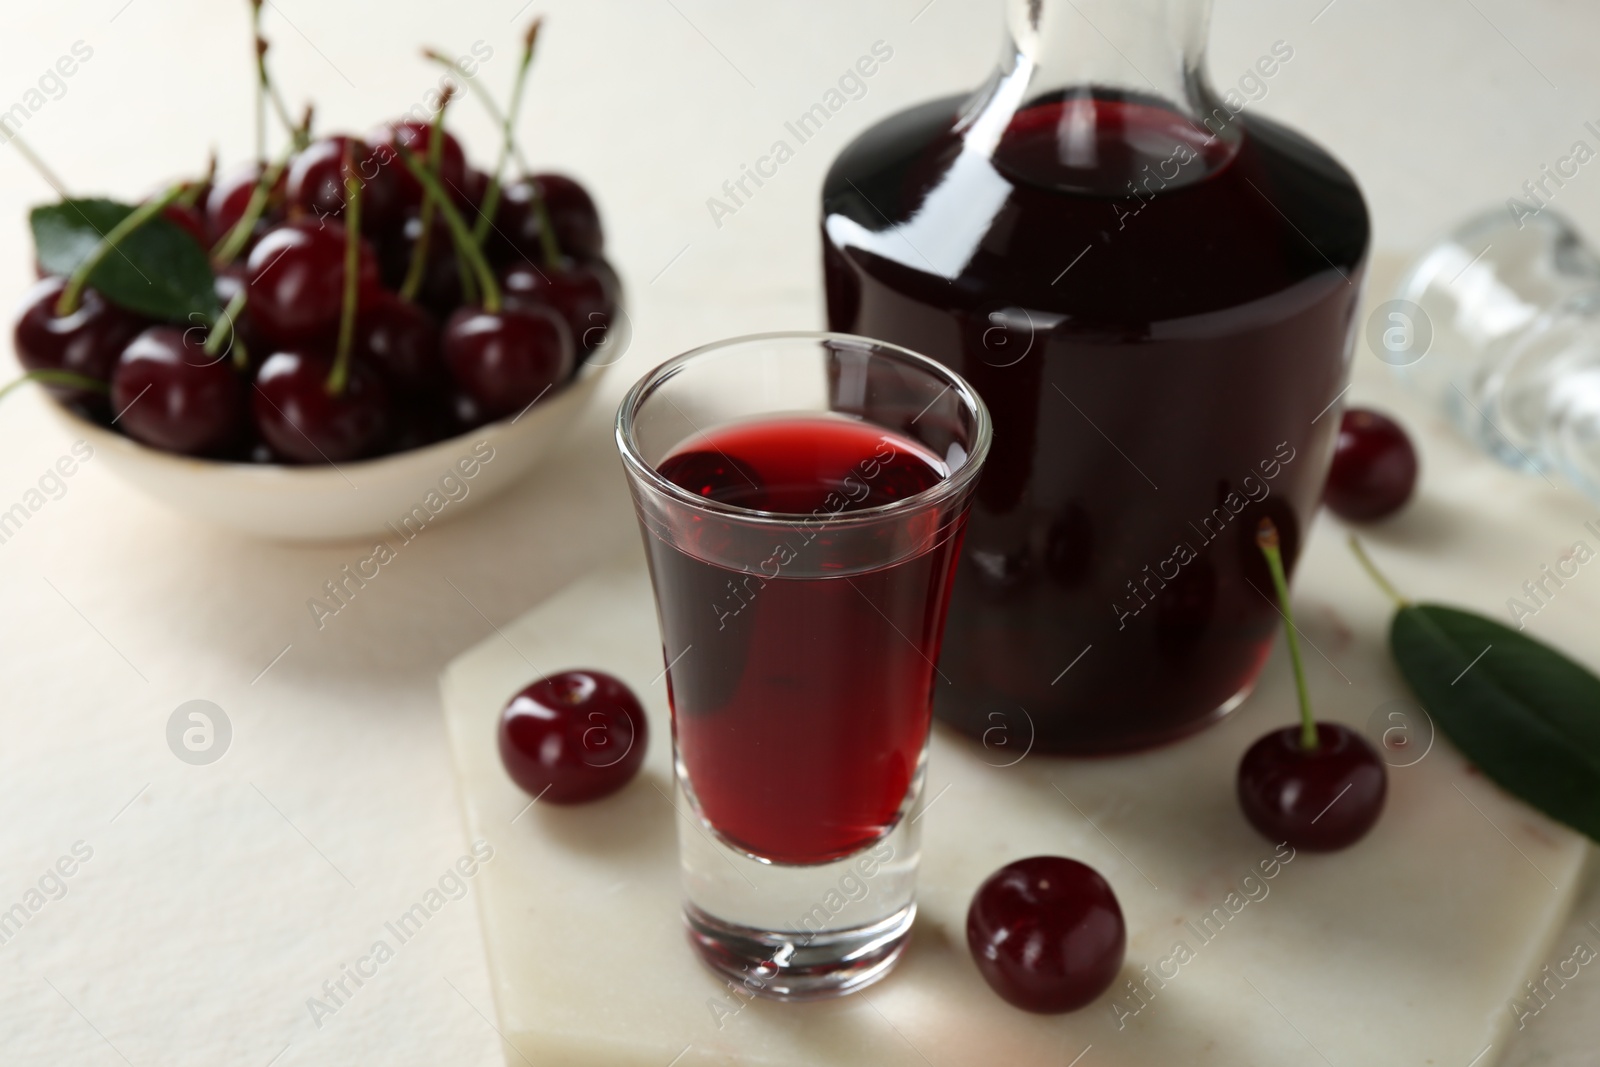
(388, 495)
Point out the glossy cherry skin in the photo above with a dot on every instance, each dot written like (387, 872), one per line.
(1047, 933)
(315, 183)
(572, 212)
(583, 294)
(296, 278)
(508, 359)
(401, 342)
(230, 281)
(394, 248)
(1320, 800)
(573, 216)
(191, 220)
(227, 200)
(574, 736)
(466, 413)
(230, 195)
(1374, 467)
(415, 137)
(171, 395)
(302, 422)
(87, 342)
(440, 291)
(192, 201)
(474, 186)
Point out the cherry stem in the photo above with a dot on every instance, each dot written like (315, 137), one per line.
(222, 329)
(458, 230)
(269, 91)
(72, 295)
(233, 242)
(55, 377)
(1267, 540)
(547, 233)
(550, 250)
(191, 194)
(261, 82)
(38, 165)
(266, 90)
(496, 116)
(1376, 575)
(419, 251)
(468, 276)
(491, 196)
(340, 375)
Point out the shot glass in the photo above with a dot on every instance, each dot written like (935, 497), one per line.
(802, 498)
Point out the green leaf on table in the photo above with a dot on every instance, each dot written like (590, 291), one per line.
(159, 270)
(1526, 715)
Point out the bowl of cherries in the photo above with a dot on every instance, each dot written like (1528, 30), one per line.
(314, 345)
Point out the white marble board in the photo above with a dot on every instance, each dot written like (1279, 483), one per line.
(1406, 949)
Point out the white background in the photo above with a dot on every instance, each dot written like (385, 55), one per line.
(221, 897)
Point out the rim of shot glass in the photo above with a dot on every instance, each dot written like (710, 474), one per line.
(952, 484)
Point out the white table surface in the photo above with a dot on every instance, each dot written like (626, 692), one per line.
(219, 898)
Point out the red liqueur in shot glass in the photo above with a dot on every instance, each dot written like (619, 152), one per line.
(802, 499)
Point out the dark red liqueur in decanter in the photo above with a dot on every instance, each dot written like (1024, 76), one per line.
(1152, 286)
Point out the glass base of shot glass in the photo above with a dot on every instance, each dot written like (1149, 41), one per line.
(791, 932)
(782, 967)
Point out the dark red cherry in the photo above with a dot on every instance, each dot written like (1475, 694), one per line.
(421, 421)
(574, 736)
(191, 220)
(466, 413)
(400, 341)
(1374, 467)
(171, 395)
(230, 281)
(572, 212)
(711, 474)
(440, 291)
(506, 360)
(415, 137)
(302, 422)
(86, 342)
(228, 198)
(1319, 799)
(515, 236)
(441, 279)
(573, 216)
(1047, 933)
(581, 293)
(193, 198)
(315, 183)
(474, 186)
(394, 251)
(296, 277)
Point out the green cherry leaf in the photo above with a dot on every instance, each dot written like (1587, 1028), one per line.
(1523, 713)
(157, 270)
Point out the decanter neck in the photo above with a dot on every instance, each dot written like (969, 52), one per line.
(1102, 96)
(1143, 48)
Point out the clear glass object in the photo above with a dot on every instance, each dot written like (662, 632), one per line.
(1498, 324)
(802, 499)
(1152, 285)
